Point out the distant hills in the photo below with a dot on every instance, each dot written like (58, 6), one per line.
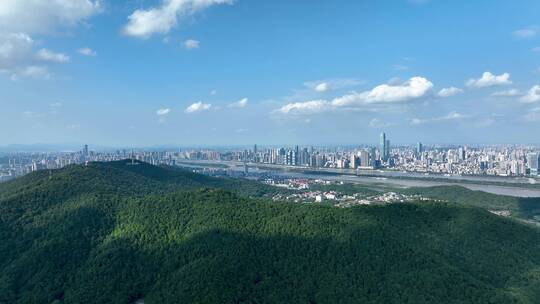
(117, 233)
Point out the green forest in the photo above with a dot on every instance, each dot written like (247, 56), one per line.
(118, 233)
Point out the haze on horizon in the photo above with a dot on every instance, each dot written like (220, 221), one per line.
(235, 72)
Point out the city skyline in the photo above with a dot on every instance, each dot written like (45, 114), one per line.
(501, 161)
(225, 72)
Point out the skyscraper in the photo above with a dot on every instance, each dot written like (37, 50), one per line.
(383, 147)
(462, 153)
(533, 163)
(419, 149)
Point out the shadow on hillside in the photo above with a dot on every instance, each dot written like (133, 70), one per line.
(402, 253)
(225, 267)
(529, 208)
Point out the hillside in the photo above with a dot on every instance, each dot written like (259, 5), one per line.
(524, 208)
(112, 233)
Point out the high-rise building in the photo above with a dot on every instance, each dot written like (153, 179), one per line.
(419, 149)
(462, 153)
(364, 159)
(383, 149)
(85, 151)
(533, 163)
(354, 162)
(291, 158)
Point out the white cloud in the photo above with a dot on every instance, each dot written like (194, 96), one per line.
(213, 92)
(198, 107)
(322, 87)
(507, 93)
(449, 117)
(536, 49)
(312, 106)
(451, 91)
(191, 44)
(19, 19)
(332, 84)
(35, 16)
(15, 49)
(414, 88)
(526, 32)
(55, 105)
(242, 103)
(161, 19)
(87, 52)
(533, 95)
(48, 55)
(163, 111)
(489, 80)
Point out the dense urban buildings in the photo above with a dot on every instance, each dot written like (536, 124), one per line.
(502, 160)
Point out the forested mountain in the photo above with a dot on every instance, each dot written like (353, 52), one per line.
(116, 233)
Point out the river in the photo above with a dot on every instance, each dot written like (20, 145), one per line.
(387, 177)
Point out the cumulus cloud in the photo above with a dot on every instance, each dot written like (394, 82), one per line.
(161, 19)
(451, 91)
(449, 117)
(242, 103)
(15, 49)
(163, 111)
(533, 95)
(31, 16)
(507, 93)
(312, 106)
(48, 55)
(330, 84)
(322, 87)
(489, 80)
(19, 19)
(414, 88)
(87, 52)
(191, 44)
(198, 107)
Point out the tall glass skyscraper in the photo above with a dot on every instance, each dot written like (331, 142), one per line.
(383, 148)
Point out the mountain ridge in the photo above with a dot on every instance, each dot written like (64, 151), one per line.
(199, 242)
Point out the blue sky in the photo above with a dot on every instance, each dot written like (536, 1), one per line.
(224, 72)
